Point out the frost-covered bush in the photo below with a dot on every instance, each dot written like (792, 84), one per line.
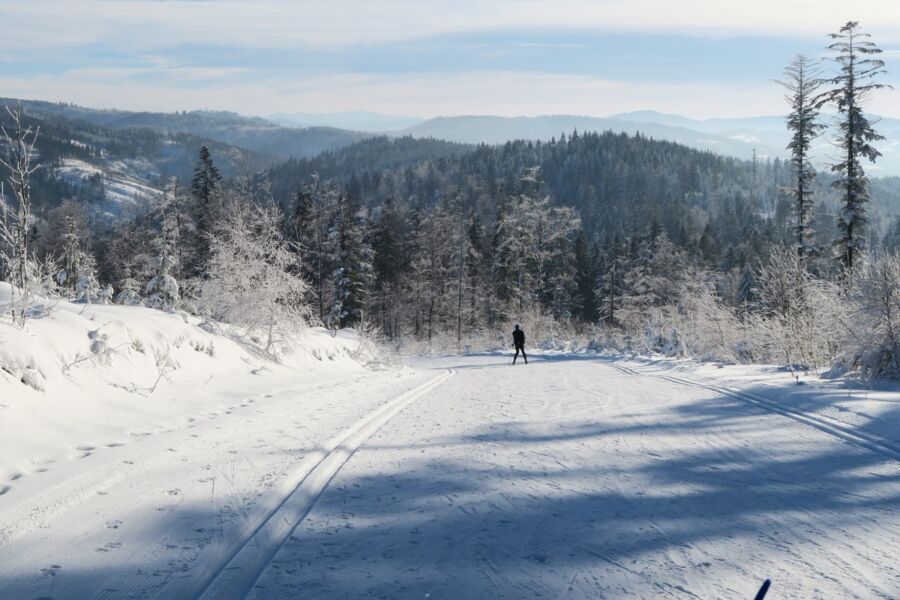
(87, 288)
(252, 278)
(106, 294)
(873, 331)
(129, 293)
(803, 314)
(162, 290)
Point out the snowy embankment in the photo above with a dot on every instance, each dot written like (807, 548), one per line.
(79, 377)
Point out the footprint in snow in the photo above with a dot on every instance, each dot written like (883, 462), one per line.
(109, 546)
(115, 524)
(4, 489)
(51, 571)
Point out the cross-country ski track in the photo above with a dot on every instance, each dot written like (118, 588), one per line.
(576, 476)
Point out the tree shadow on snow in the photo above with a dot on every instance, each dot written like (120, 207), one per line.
(510, 510)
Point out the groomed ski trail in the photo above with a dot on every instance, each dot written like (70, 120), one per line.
(822, 423)
(235, 578)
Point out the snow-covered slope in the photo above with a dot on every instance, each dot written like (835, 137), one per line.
(83, 376)
(124, 183)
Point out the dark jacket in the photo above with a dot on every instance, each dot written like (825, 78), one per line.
(519, 337)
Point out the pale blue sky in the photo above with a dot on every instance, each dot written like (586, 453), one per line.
(701, 58)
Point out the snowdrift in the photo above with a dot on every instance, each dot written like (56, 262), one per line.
(81, 373)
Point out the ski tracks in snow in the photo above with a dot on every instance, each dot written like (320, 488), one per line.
(820, 422)
(237, 576)
(163, 517)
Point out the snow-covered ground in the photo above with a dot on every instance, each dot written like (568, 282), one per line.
(125, 182)
(577, 476)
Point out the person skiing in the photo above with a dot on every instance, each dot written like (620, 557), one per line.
(519, 343)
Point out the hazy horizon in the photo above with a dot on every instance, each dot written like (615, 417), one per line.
(500, 57)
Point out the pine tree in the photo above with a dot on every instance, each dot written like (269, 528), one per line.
(129, 292)
(389, 265)
(352, 273)
(853, 84)
(610, 285)
(478, 275)
(77, 272)
(586, 278)
(803, 79)
(205, 188)
(163, 291)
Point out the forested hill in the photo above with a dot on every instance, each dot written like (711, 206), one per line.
(620, 185)
(111, 168)
(247, 133)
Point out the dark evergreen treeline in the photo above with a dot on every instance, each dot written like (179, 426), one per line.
(424, 237)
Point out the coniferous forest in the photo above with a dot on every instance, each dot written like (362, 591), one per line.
(592, 237)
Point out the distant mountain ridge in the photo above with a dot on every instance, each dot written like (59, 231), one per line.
(291, 137)
(353, 121)
(249, 133)
(737, 137)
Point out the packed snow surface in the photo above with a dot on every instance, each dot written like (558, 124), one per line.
(576, 476)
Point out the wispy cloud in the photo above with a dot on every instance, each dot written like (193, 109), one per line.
(268, 55)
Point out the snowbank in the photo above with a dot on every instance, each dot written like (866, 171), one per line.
(81, 375)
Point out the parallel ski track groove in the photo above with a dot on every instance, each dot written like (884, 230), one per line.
(823, 424)
(236, 576)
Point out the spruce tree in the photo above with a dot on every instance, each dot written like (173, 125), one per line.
(802, 81)
(856, 79)
(205, 185)
(586, 278)
(353, 275)
(389, 265)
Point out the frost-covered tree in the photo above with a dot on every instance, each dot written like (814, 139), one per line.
(19, 159)
(253, 276)
(801, 311)
(77, 267)
(610, 283)
(533, 254)
(856, 79)
(875, 338)
(351, 257)
(803, 78)
(173, 213)
(308, 230)
(389, 264)
(163, 290)
(129, 292)
(261, 189)
(435, 268)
